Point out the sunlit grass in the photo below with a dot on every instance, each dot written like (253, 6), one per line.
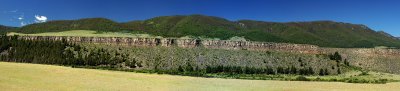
(29, 77)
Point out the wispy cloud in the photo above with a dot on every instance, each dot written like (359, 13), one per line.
(21, 20)
(23, 23)
(40, 19)
(13, 11)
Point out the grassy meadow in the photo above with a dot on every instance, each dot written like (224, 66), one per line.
(85, 33)
(33, 77)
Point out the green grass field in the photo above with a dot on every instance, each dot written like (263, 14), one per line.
(34, 77)
(85, 33)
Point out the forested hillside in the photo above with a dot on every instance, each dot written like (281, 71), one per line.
(321, 33)
(98, 24)
(4, 29)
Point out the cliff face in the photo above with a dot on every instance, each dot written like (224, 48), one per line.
(250, 45)
(185, 43)
(382, 60)
(386, 60)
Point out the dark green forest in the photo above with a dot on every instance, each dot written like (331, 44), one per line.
(321, 33)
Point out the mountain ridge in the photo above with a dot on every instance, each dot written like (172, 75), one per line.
(5, 29)
(322, 33)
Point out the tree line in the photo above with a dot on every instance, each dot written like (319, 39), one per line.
(247, 70)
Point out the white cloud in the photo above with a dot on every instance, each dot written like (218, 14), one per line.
(21, 18)
(40, 19)
(23, 23)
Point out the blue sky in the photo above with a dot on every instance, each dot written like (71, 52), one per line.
(377, 14)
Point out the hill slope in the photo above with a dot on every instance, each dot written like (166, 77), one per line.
(324, 33)
(4, 29)
(98, 24)
(321, 33)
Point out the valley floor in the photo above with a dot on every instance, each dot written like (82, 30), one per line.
(33, 77)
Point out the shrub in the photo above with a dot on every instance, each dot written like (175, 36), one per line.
(333, 80)
(317, 79)
(321, 72)
(339, 71)
(364, 73)
(301, 78)
(346, 62)
(336, 56)
(381, 81)
(326, 72)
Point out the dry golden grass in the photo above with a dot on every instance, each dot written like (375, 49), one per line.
(35, 77)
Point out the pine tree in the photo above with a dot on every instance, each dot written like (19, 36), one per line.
(339, 71)
(209, 69)
(189, 68)
(326, 72)
(310, 71)
(346, 62)
(336, 56)
(299, 60)
(293, 70)
(280, 70)
(180, 69)
(321, 72)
